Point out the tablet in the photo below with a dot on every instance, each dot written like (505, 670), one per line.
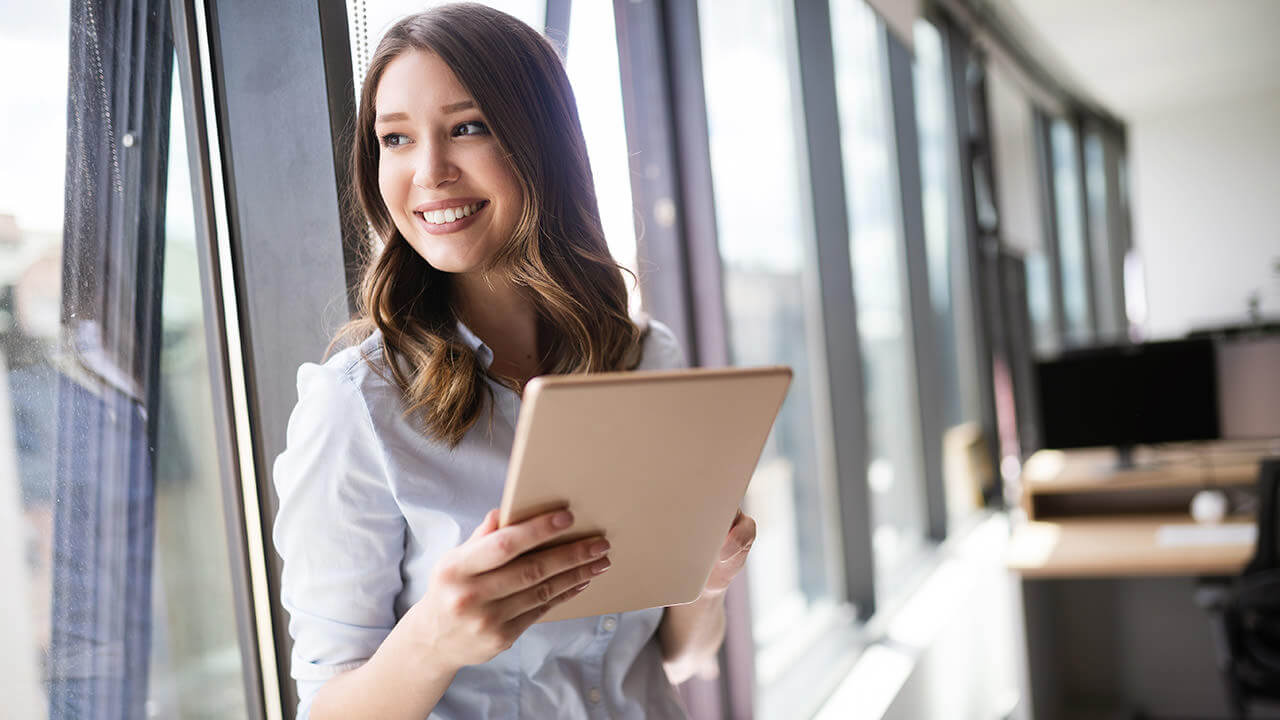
(656, 461)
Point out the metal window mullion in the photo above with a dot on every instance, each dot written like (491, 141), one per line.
(192, 60)
(924, 336)
(839, 325)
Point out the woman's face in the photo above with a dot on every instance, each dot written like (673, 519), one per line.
(441, 172)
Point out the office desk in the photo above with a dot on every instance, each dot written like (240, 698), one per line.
(1111, 624)
(1121, 546)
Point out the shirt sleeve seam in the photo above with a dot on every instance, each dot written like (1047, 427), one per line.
(368, 417)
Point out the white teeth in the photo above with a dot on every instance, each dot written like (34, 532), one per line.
(440, 217)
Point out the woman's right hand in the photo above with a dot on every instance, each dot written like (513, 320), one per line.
(486, 592)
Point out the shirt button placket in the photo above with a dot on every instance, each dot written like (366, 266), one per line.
(595, 695)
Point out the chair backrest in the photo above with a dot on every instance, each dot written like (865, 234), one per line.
(1266, 554)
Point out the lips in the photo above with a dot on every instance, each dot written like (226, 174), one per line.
(446, 217)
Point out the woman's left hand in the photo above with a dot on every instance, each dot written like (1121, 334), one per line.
(733, 555)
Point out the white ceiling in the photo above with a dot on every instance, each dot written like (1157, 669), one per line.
(1137, 57)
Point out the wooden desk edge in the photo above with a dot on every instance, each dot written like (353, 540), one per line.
(1129, 549)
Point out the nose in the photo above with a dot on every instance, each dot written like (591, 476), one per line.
(434, 167)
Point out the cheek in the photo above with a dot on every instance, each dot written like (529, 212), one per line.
(392, 193)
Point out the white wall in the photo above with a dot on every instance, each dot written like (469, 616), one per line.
(1205, 186)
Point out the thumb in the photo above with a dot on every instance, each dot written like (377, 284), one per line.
(486, 526)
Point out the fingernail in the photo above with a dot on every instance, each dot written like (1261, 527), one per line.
(600, 566)
(581, 587)
(562, 519)
(599, 548)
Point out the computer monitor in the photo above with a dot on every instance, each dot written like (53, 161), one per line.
(1129, 395)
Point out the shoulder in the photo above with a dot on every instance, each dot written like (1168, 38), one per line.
(661, 348)
(359, 369)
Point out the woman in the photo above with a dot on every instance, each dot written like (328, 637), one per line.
(405, 598)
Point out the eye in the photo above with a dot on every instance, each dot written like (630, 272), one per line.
(473, 127)
(393, 140)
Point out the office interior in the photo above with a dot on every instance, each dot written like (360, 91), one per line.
(936, 212)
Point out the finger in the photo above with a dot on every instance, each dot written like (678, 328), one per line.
(486, 526)
(736, 518)
(535, 568)
(517, 625)
(547, 591)
(740, 538)
(506, 544)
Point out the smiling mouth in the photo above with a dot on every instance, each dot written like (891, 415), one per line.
(450, 216)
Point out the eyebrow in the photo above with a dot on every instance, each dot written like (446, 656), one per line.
(447, 110)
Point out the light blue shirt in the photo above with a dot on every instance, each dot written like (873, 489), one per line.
(368, 503)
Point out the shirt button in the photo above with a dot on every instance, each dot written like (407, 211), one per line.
(610, 624)
(594, 695)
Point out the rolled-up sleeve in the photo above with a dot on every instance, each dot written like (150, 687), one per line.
(338, 530)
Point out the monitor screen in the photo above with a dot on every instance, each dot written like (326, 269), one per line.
(1129, 395)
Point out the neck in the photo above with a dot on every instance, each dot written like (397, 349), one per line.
(497, 311)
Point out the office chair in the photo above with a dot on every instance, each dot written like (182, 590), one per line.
(1244, 613)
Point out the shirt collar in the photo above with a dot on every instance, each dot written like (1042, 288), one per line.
(477, 345)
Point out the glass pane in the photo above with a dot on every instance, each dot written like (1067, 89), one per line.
(1071, 249)
(770, 299)
(169, 581)
(597, 86)
(947, 258)
(1104, 266)
(1015, 150)
(195, 661)
(877, 253)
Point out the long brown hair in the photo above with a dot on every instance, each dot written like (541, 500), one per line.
(557, 252)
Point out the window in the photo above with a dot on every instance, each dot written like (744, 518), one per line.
(592, 65)
(1072, 252)
(771, 302)
(1101, 196)
(113, 540)
(1022, 211)
(879, 286)
(945, 244)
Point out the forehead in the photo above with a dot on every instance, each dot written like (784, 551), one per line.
(417, 81)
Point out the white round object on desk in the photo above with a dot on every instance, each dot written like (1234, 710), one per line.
(1209, 506)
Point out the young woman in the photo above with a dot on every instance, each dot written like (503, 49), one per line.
(405, 598)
